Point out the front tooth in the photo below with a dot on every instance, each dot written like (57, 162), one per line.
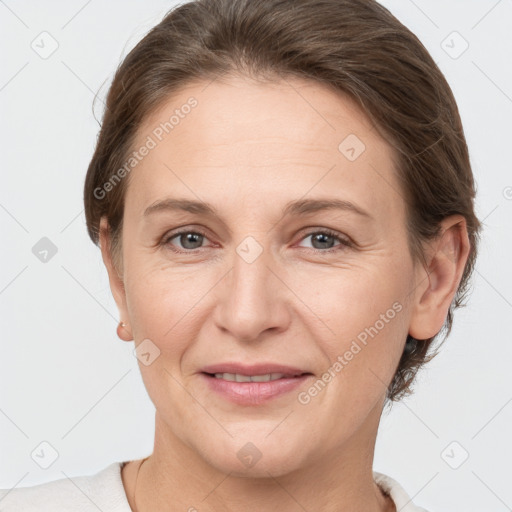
(234, 377)
(261, 378)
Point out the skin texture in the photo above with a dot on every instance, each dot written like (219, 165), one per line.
(248, 149)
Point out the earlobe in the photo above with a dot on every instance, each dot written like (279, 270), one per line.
(437, 283)
(123, 332)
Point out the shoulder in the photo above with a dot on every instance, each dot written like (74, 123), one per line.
(103, 490)
(402, 501)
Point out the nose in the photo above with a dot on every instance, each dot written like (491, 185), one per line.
(254, 299)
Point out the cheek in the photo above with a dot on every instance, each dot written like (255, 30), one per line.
(360, 325)
(362, 359)
(343, 302)
(164, 304)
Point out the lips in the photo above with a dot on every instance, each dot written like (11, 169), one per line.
(254, 384)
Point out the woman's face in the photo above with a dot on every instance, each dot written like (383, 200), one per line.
(267, 274)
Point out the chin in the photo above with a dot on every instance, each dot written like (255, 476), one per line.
(261, 458)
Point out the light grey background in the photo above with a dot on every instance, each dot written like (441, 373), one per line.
(66, 379)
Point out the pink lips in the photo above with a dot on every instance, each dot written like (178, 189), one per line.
(253, 393)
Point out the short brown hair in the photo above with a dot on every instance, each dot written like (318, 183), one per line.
(354, 46)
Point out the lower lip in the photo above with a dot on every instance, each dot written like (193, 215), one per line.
(253, 393)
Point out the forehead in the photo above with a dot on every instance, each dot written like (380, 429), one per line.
(280, 140)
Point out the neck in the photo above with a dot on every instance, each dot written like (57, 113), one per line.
(340, 481)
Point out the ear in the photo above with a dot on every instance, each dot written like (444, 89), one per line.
(437, 284)
(115, 280)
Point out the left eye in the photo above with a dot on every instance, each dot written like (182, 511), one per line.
(324, 240)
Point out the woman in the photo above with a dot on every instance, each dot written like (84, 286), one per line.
(283, 198)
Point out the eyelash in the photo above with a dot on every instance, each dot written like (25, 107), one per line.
(344, 242)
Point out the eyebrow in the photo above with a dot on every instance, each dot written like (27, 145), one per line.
(298, 207)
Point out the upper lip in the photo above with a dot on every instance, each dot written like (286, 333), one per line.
(253, 369)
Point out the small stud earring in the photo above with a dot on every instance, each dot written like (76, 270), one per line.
(122, 332)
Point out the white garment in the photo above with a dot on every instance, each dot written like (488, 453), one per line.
(105, 491)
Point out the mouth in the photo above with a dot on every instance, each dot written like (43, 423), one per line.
(252, 385)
